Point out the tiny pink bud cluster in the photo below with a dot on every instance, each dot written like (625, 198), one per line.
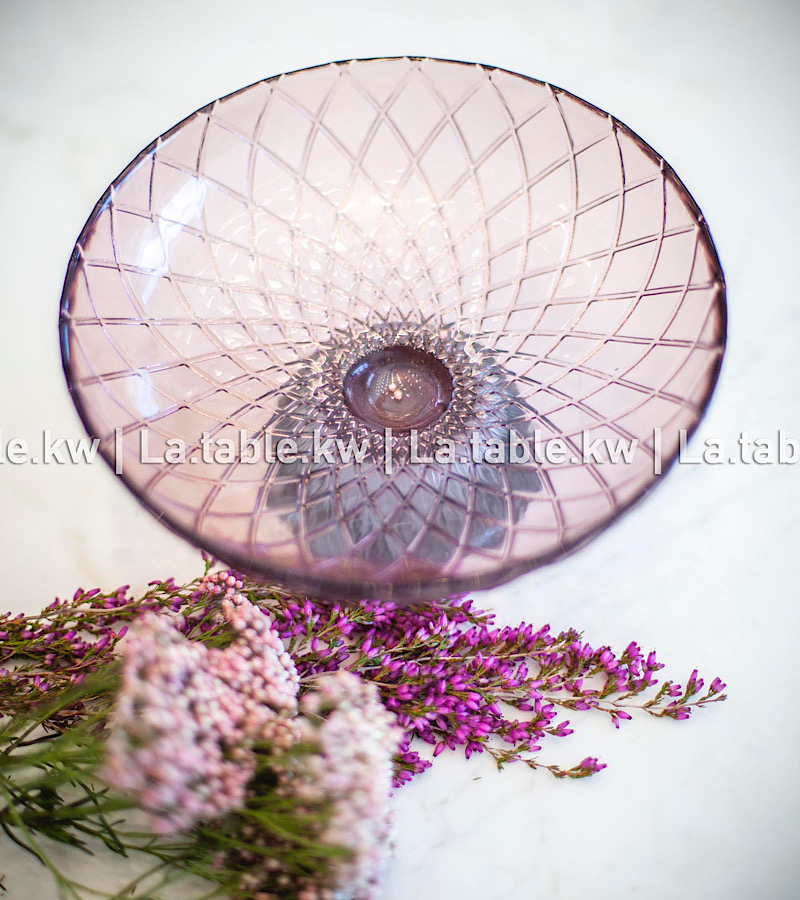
(186, 718)
(352, 770)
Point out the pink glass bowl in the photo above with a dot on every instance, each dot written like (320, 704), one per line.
(457, 251)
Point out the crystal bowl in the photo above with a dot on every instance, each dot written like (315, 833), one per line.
(395, 328)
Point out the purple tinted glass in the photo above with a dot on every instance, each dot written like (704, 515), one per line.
(479, 261)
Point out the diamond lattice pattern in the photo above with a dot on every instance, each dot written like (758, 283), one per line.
(540, 246)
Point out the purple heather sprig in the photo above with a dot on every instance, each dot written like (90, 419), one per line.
(449, 675)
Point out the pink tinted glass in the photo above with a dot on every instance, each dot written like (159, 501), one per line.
(543, 268)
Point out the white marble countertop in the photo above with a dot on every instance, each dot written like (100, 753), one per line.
(703, 570)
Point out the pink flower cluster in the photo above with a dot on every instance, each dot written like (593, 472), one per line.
(187, 716)
(356, 739)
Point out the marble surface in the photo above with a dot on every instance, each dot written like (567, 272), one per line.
(703, 569)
